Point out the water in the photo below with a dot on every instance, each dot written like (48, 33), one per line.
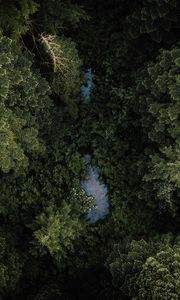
(94, 187)
(86, 90)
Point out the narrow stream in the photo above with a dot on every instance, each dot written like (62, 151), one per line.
(92, 185)
(86, 89)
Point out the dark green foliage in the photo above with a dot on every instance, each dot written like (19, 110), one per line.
(25, 108)
(56, 230)
(147, 270)
(126, 265)
(11, 262)
(154, 17)
(161, 109)
(15, 16)
(58, 15)
(65, 65)
(159, 278)
(48, 250)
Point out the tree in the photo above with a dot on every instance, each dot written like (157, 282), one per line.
(65, 69)
(61, 16)
(126, 264)
(25, 107)
(159, 118)
(147, 269)
(159, 278)
(159, 19)
(15, 16)
(11, 262)
(55, 230)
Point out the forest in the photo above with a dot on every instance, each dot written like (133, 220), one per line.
(89, 86)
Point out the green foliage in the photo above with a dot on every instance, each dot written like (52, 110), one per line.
(159, 111)
(159, 278)
(56, 16)
(87, 203)
(15, 16)
(130, 127)
(56, 231)
(65, 65)
(25, 108)
(11, 262)
(154, 17)
(20, 16)
(147, 270)
(126, 265)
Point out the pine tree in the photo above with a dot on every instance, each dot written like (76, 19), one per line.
(25, 107)
(147, 270)
(55, 230)
(160, 276)
(15, 17)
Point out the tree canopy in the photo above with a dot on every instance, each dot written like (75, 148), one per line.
(130, 128)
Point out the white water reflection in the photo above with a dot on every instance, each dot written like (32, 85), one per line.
(93, 187)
